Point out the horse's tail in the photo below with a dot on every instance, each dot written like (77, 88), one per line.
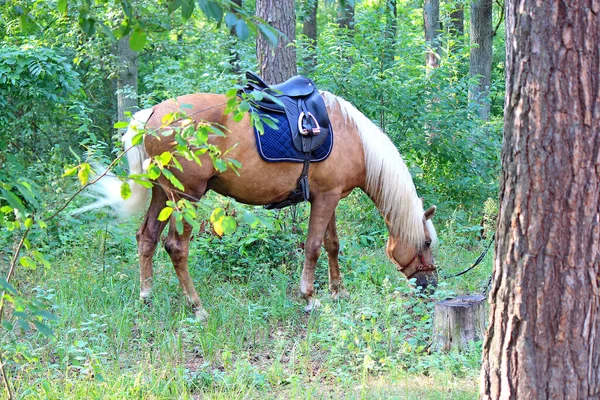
(107, 191)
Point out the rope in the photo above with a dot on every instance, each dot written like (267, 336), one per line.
(476, 263)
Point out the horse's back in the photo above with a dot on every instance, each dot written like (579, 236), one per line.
(258, 181)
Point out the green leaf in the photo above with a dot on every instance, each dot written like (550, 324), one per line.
(241, 30)
(229, 225)
(220, 165)
(269, 33)
(187, 8)
(125, 190)
(13, 200)
(193, 223)
(179, 225)
(153, 171)
(169, 175)
(45, 314)
(27, 262)
(137, 138)
(121, 125)
(164, 158)
(138, 39)
(40, 257)
(217, 214)
(87, 25)
(230, 19)
(62, 6)
(165, 213)
(173, 5)
(211, 9)
(84, 173)
(44, 329)
(7, 286)
(70, 171)
(250, 219)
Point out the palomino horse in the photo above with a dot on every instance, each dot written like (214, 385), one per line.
(362, 157)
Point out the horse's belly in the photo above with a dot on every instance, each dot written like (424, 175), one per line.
(258, 182)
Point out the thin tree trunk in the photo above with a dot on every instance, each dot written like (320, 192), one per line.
(481, 54)
(233, 51)
(346, 14)
(456, 27)
(279, 63)
(432, 25)
(309, 29)
(391, 28)
(127, 79)
(543, 337)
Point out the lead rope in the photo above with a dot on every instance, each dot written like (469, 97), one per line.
(476, 263)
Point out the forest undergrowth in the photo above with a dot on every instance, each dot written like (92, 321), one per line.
(257, 341)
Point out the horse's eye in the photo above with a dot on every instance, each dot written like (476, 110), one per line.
(428, 243)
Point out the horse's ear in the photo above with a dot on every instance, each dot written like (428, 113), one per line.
(430, 212)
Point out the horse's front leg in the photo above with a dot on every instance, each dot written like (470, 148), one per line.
(332, 246)
(178, 247)
(147, 238)
(322, 207)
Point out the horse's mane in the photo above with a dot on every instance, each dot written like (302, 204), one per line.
(389, 182)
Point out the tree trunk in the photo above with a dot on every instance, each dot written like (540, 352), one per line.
(234, 55)
(481, 55)
(543, 337)
(309, 29)
(431, 19)
(456, 27)
(346, 14)
(279, 63)
(127, 79)
(459, 322)
(391, 28)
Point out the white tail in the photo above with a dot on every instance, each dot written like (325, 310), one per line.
(107, 191)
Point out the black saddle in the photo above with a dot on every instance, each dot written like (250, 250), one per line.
(304, 108)
(302, 104)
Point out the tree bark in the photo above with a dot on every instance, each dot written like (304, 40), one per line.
(459, 322)
(234, 54)
(391, 29)
(456, 27)
(481, 55)
(432, 25)
(543, 336)
(279, 63)
(127, 78)
(346, 14)
(309, 29)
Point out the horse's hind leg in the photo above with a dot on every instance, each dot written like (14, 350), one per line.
(178, 246)
(147, 238)
(332, 246)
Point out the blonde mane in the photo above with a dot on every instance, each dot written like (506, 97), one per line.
(389, 182)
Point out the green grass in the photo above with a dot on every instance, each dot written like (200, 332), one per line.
(257, 342)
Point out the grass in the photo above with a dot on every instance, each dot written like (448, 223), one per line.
(257, 342)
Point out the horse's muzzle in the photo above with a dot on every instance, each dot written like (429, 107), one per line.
(427, 280)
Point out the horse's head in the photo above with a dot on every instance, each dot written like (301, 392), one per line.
(416, 261)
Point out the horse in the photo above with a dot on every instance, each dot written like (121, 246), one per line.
(362, 157)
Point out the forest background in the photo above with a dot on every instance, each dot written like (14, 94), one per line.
(74, 326)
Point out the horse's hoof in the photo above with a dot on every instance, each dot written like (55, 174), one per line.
(313, 304)
(146, 300)
(201, 314)
(340, 294)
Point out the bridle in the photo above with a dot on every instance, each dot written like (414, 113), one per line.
(421, 267)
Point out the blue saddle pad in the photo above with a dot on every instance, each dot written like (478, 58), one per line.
(276, 145)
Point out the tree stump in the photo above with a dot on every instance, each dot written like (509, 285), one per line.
(459, 322)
